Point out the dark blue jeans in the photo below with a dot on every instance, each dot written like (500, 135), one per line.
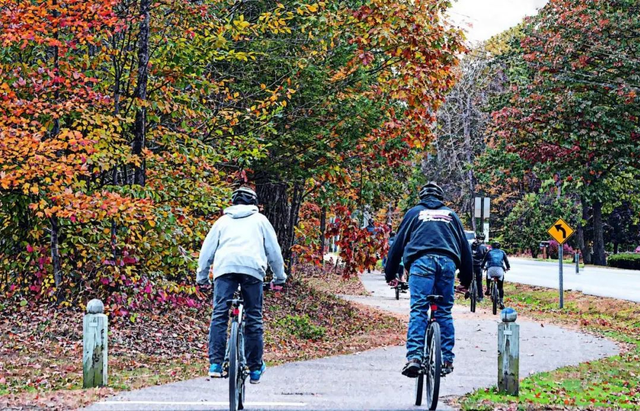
(224, 287)
(431, 274)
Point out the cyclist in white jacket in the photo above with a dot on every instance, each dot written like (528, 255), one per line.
(239, 246)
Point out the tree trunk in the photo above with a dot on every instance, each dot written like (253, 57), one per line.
(598, 235)
(139, 133)
(616, 246)
(534, 251)
(55, 253)
(55, 227)
(282, 211)
(582, 241)
(466, 127)
(323, 227)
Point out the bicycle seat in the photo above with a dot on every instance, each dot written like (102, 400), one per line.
(434, 298)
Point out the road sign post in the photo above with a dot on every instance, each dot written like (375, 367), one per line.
(561, 258)
(560, 231)
(482, 210)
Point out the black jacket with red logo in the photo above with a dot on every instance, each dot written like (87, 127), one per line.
(430, 228)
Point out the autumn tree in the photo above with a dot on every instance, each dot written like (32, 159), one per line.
(106, 187)
(530, 218)
(461, 129)
(579, 114)
(362, 103)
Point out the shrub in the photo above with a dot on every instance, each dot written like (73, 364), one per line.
(301, 326)
(553, 250)
(625, 260)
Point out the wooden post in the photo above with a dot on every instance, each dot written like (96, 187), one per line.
(95, 348)
(508, 353)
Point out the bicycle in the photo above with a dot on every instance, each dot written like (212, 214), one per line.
(235, 362)
(473, 294)
(235, 365)
(431, 367)
(400, 287)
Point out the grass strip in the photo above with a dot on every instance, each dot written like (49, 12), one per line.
(610, 383)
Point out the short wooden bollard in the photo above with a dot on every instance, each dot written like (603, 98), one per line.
(508, 353)
(95, 348)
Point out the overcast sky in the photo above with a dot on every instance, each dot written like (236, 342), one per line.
(482, 19)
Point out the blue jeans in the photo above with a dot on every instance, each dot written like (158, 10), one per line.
(431, 274)
(224, 287)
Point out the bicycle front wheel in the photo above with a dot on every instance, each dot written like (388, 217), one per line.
(397, 292)
(235, 373)
(474, 295)
(433, 363)
(419, 388)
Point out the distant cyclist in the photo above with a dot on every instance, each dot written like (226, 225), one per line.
(401, 276)
(432, 244)
(478, 250)
(496, 262)
(239, 246)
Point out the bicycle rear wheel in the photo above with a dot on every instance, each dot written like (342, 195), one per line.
(494, 296)
(474, 295)
(235, 373)
(433, 363)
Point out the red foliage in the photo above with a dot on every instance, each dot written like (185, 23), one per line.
(360, 249)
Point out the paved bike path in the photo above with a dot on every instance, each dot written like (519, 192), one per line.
(371, 380)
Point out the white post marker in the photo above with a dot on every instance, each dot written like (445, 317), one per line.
(509, 353)
(94, 344)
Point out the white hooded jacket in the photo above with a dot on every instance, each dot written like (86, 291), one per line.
(242, 241)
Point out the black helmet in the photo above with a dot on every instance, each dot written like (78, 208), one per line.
(432, 189)
(480, 236)
(244, 195)
(495, 244)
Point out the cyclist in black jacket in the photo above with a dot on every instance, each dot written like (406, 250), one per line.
(478, 250)
(432, 244)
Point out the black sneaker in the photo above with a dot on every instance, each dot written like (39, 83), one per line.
(487, 292)
(501, 305)
(412, 368)
(447, 368)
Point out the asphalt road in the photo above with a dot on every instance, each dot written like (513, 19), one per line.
(371, 380)
(600, 281)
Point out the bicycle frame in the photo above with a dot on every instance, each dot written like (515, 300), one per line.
(236, 314)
